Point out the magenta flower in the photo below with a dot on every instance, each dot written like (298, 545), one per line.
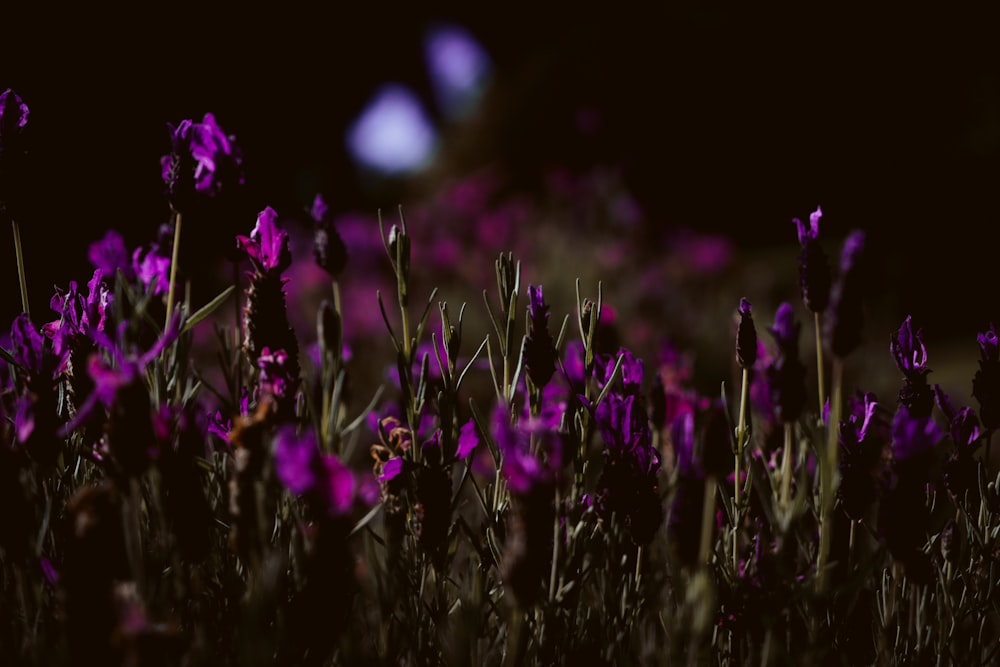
(910, 355)
(814, 270)
(986, 382)
(267, 246)
(305, 471)
(539, 348)
(203, 161)
(110, 255)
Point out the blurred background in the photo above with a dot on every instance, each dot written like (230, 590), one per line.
(697, 131)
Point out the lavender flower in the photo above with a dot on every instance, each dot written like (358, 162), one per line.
(531, 478)
(42, 364)
(329, 249)
(539, 349)
(202, 163)
(265, 316)
(910, 355)
(628, 487)
(110, 255)
(814, 270)
(903, 512)
(961, 470)
(986, 383)
(861, 445)
(786, 373)
(688, 499)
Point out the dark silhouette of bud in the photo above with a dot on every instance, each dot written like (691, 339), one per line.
(746, 337)
(329, 249)
(846, 318)
(814, 269)
(786, 375)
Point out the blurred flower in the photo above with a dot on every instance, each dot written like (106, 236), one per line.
(814, 269)
(459, 69)
(986, 382)
(326, 483)
(13, 148)
(846, 315)
(329, 249)
(539, 348)
(903, 511)
(961, 470)
(110, 255)
(688, 497)
(628, 487)
(786, 374)
(202, 163)
(393, 135)
(861, 446)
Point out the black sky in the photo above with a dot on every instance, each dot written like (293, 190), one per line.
(727, 119)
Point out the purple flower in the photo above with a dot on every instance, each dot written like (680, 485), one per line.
(267, 246)
(152, 268)
(36, 420)
(846, 315)
(110, 255)
(329, 249)
(814, 270)
(523, 468)
(910, 355)
(786, 374)
(986, 382)
(305, 471)
(539, 349)
(276, 380)
(908, 351)
(861, 445)
(203, 161)
(628, 486)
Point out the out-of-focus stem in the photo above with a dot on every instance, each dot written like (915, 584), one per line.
(707, 518)
(786, 465)
(20, 264)
(828, 477)
(173, 267)
(819, 361)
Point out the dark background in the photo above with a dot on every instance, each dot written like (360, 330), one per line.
(725, 119)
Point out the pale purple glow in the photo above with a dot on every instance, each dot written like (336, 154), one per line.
(459, 69)
(393, 135)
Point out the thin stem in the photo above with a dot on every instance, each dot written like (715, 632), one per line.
(707, 519)
(828, 479)
(173, 267)
(20, 264)
(786, 466)
(740, 435)
(819, 360)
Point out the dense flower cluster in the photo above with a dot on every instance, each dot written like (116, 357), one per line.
(538, 497)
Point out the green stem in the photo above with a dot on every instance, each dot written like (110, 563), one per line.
(819, 360)
(20, 264)
(828, 477)
(707, 518)
(740, 435)
(173, 267)
(786, 466)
